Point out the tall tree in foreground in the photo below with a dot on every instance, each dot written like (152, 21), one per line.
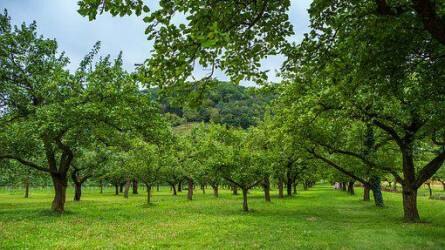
(47, 113)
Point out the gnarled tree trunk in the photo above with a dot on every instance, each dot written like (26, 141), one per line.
(410, 212)
(60, 182)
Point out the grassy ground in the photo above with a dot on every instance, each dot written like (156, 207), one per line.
(318, 219)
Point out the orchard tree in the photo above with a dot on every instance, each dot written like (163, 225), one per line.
(47, 113)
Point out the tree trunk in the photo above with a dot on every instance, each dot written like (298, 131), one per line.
(190, 189)
(215, 190)
(430, 190)
(343, 186)
(135, 186)
(280, 187)
(180, 186)
(157, 187)
(235, 190)
(203, 188)
(411, 214)
(26, 187)
(77, 191)
(366, 193)
(117, 189)
(289, 185)
(101, 184)
(443, 185)
(351, 188)
(245, 206)
(121, 187)
(377, 191)
(266, 187)
(60, 182)
(127, 187)
(295, 188)
(148, 193)
(174, 189)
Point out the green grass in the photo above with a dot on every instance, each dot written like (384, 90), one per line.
(320, 218)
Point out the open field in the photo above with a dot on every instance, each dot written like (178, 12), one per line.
(319, 218)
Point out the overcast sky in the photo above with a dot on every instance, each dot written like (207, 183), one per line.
(76, 35)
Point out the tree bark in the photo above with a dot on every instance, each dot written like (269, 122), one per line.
(280, 187)
(174, 189)
(135, 186)
(377, 191)
(366, 193)
(289, 184)
(180, 186)
(235, 190)
(77, 191)
(351, 188)
(121, 187)
(60, 182)
(127, 187)
(410, 212)
(215, 190)
(116, 186)
(203, 188)
(266, 187)
(27, 187)
(190, 189)
(245, 206)
(148, 193)
(429, 189)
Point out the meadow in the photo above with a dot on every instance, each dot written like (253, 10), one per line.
(320, 218)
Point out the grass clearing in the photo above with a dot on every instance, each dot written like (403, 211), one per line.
(318, 219)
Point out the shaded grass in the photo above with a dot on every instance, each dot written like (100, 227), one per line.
(318, 219)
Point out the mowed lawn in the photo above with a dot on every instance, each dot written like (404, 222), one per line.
(318, 219)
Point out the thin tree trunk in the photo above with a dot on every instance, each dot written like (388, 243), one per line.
(127, 187)
(215, 190)
(280, 187)
(443, 185)
(157, 187)
(148, 193)
(430, 190)
(411, 214)
(174, 189)
(135, 186)
(121, 187)
(245, 206)
(235, 190)
(343, 186)
(351, 188)
(190, 189)
(366, 193)
(266, 187)
(180, 186)
(77, 191)
(60, 182)
(27, 187)
(289, 185)
(117, 189)
(295, 188)
(101, 184)
(203, 188)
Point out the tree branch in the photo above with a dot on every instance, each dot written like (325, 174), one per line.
(25, 162)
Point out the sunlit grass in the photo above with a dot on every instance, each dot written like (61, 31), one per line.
(319, 218)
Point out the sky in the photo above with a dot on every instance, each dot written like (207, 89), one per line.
(76, 35)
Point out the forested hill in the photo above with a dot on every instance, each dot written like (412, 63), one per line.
(226, 103)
